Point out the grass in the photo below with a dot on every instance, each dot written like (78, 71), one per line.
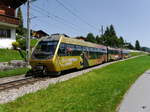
(18, 71)
(8, 55)
(136, 53)
(33, 42)
(98, 91)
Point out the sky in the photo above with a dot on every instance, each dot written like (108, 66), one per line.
(131, 18)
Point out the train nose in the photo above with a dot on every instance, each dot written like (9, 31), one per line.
(40, 70)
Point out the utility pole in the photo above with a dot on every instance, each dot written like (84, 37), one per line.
(28, 32)
(102, 30)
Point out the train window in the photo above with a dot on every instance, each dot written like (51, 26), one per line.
(70, 48)
(76, 53)
(104, 50)
(78, 48)
(97, 49)
(69, 45)
(100, 50)
(62, 50)
(62, 45)
(44, 50)
(91, 49)
(110, 51)
(84, 48)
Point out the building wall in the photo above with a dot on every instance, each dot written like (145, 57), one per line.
(7, 42)
(13, 33)
(8, 21)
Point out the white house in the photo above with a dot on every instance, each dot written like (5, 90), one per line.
(8, 21)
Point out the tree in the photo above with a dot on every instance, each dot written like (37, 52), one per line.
(20, 29)
(146, 49)
(97, 39)
(137, 45)
(121, 42)
(110, 38)
(105, 38)
(113, 37)
(90, 38)
(129, 46)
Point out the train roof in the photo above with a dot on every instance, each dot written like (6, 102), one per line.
(117, 49)
(125, 51)
(69, 40)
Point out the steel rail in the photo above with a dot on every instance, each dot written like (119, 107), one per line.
(16, 84)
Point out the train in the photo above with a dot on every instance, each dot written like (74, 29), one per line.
(58, 52)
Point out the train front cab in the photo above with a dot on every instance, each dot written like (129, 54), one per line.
(44, 56)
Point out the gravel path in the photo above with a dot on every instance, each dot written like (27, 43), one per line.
(137, 98)
(10, 95)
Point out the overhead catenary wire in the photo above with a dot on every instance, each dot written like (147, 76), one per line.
(74, 14)
(77, 11)
(56, 18)
(48, 14)
(52, 16)
(59, 21)
(48, 23)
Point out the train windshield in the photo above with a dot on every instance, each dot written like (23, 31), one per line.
(44, 50)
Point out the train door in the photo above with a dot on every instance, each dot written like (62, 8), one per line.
(84, 56)
(62, 56)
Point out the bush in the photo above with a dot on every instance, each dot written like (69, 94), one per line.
(15, 45)
(33, 42)
(22, 43)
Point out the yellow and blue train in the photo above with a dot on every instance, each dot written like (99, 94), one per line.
(58, 52)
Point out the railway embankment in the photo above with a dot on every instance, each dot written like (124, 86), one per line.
(7, 55)
(12, 65)
(13, 72)
(98, 90)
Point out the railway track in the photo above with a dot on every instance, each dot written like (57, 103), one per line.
(18, 83)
